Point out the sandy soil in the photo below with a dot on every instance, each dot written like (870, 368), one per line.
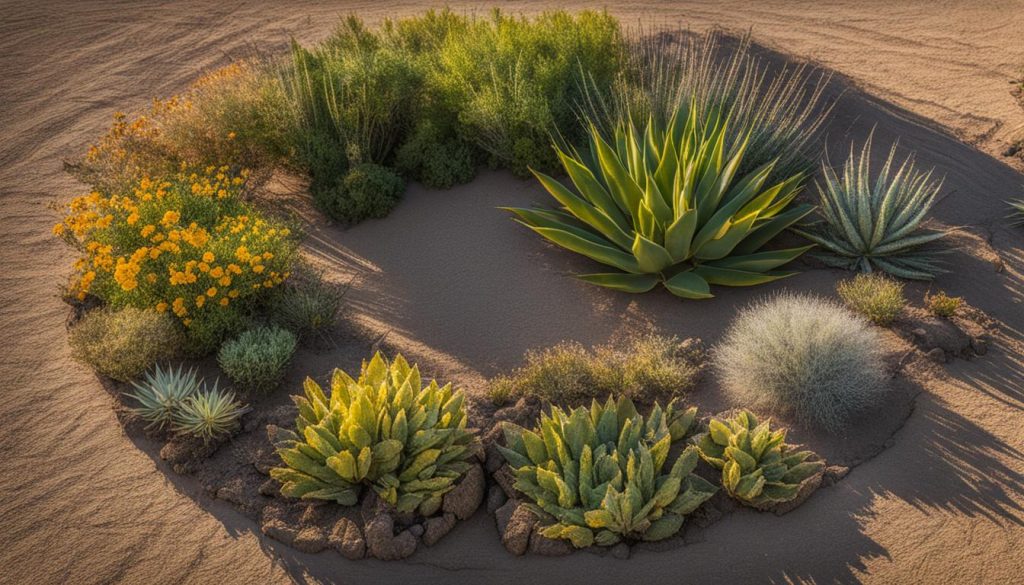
(452, 280)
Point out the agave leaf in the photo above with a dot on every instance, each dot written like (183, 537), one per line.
(689, 285)
(634, 283)
(729, 277)
(591, 248)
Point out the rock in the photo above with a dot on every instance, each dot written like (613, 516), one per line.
(620, 551)
(265, 462)
(382, 543)
(467, 495)
(437, 527)
(313, 513)
(270, 488)
(548, 547)
(494, 459)
(496, 498)
(505, 478)
(937, 355)
(478, 451)
(273, 525)
(979, 345)
(504, 513)
(372, 506)
(347, 539)
(416, 530)
(311, 539)
(185, 453)
(834, 473)
(516, 536)
(231, 493)
(931, 333)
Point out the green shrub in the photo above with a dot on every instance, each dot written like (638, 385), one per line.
(597, 475)
(645, 367)
(942, 305)
(408, 442)
(366, 191)
(121, 344)
(668, 210)
(435, 161)
(803, 357)
(875, 224)
(209, 413)
(758, 467)
(308, 307)
(258, 358)
(873, 295)
(161, 394)
(781, 109)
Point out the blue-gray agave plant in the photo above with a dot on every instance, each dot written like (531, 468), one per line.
(876, 225)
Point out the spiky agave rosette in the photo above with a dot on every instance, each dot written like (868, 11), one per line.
(597, 475)
(408, 442)
(876, 225)
(664, 206)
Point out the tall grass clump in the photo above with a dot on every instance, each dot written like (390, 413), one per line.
(802, 357)
(874, 296)
(644, 367)
(875, 223)
(783, 108)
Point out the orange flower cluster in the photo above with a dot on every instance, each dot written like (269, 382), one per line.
(186, 244)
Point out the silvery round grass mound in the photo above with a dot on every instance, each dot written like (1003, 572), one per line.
(802, 356)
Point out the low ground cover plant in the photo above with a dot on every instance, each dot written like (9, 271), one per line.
(876, 224)
(307, 305)
(186, 245)
(385, 430)
(643, 367)
(874, 296)
(758, 467)
(942, 305)
(803, 357)
(121, 344)
(598, 475)
(257, 359)
(662, 205)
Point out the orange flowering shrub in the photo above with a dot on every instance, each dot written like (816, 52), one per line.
(231, 116)
(187, 245)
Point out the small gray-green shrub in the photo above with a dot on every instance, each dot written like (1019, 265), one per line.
(121, 344)
(644, 367)
(873, 295)
(803, 357)
(258, 358)
(307, 306)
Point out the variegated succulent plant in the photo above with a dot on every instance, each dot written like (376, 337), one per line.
(664, 205)
(758, 467)
(406, 441)
(598, 475)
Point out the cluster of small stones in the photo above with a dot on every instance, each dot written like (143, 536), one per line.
(372, 530)
(943, 340)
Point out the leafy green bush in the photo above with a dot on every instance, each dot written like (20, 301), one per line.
(876, 224)
(804, 357)
(121, 344)
(942, 305)
(758, 467)
(258, 358)
(308, 306)
(781, 109)
(597, 475)
(408, 442)
(873, 295)
(668, 210)
(161, 394)
(366, 191)
(644, 367)
(209, 413)
(434, 160)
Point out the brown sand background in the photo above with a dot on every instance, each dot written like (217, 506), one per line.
(452, 280)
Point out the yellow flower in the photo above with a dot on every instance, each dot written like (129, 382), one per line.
(208, 257)
(216, 272)
(211, 292)
(224, 281)
(161, 307)
(170, 218)
(200, 300)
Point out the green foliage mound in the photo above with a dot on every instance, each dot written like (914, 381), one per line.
(406, 441)
(121, 344)
(258, 358)
(873, 295)
(598, 475)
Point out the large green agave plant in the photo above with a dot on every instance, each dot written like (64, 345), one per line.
(876, 225)
(407, 441)
(597, 475)
(665, 206)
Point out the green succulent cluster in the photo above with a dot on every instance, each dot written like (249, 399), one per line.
(598, 475)
(758, 467)
(664, 205)
(408, 442)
